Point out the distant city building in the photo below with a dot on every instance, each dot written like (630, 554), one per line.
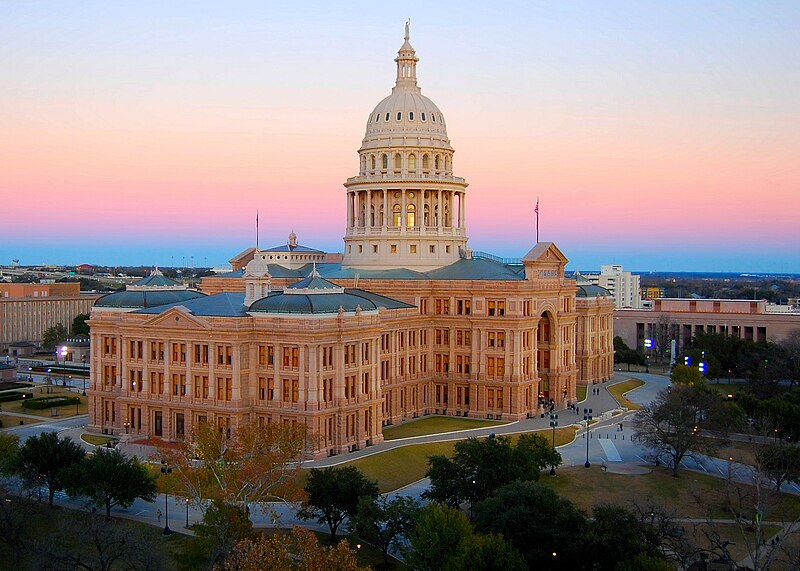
(623, 286)
(682, 319)
(649, 292)
(408, 323)
(27, 310)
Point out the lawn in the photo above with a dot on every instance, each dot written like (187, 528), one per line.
(435, 425)
(581, 392)
(63, 411)
(97, 439)
(405, 465)
(689, 496)
(617, 391)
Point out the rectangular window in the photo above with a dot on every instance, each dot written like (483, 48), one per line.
(200, 354)
(463, 306)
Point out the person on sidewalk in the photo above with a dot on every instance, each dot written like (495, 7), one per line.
(158, 515)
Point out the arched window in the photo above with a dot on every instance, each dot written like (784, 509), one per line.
(396, 215)
(425, 162)
(373, 162)
(447, 163)
(433, 117)
(387, 117)
(399, 115)
(385, 161)
(411, 216)
(412, 163)
(398, 161)
(436, 163)
(372, 215)
(363, 164)
(377, 117)
(380, 216)
(410, 115)
(426, 213)
(423, 115)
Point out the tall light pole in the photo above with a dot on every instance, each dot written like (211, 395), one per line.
(587, 416)
(63, 350)
(83, 360)
(553, 424)
(166, 470)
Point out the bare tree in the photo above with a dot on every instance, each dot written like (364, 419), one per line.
(101, 546)
(671, 425)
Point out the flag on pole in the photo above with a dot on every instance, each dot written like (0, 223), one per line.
(536, 210)
(256, 229)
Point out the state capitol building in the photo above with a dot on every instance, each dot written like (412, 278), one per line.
(409, 323)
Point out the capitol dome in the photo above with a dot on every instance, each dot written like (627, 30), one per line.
(406, 112)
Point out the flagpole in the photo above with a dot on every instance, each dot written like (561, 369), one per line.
(537, 219)
(256, 230)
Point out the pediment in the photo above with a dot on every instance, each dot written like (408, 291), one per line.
(177, 317)
(545, 252)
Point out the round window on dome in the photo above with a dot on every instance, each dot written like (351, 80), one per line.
(399, 115)
(410, 115)
(423, 115)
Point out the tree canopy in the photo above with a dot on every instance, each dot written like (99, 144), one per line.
(53, 335)
(480, 466)
(48, 459)
(107, 478)
(383, 522)
(333, 494)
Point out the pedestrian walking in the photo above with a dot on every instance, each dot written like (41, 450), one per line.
(158, 515)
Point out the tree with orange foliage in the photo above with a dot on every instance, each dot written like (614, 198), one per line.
(296, 551)
(255, 463)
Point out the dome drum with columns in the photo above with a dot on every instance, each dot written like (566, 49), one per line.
(405, 208)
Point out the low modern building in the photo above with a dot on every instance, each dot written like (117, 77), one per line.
(27, 310)
(681, 319)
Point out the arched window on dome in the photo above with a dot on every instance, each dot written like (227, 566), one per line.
(398, 161)
(363, 164)
(433, 117)
(410, 115)
(399, 115)
(411, 216)
(387, 117)
(425, 161)
(426, 213)
(423, 115)
(412, 163)
(377, 117)
(436, 163)
(396, 216)
(447, 163)
(385, 161)
(372, 159)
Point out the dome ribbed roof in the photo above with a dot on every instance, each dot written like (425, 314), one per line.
(406, 112)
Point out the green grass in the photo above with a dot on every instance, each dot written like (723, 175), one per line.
(435, 425)
(63, 411)
(405, 465)
(581, 392)
(619, 389)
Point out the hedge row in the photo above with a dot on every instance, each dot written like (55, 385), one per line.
(8, 397)
(49, 402)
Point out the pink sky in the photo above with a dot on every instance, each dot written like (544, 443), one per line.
(653, 137)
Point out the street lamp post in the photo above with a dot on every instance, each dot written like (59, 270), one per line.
(62, 351)
(553, 424)
(166, 470)
(187, 512)
(587, 416)
(127, 425)
(83, 360)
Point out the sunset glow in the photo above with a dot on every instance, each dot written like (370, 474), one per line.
(659, 136)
